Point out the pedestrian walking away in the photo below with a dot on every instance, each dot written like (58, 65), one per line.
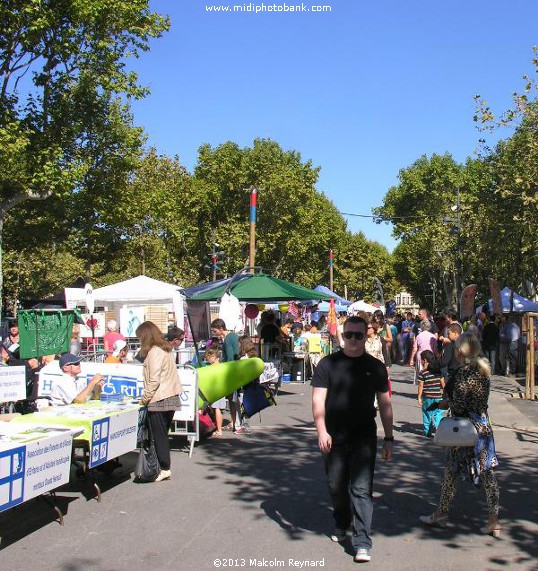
(345, 385)
(467, 394)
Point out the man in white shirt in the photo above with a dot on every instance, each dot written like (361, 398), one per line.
(66, 390)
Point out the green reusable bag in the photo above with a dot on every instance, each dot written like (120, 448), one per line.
(45, 332)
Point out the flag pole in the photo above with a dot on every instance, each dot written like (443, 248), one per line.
(252, 239)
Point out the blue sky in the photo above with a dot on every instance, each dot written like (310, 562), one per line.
(363, 90)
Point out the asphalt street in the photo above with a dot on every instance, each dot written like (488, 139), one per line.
(260, 501)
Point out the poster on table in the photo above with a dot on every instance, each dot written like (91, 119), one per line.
(12, 384)
(130, 319)
(113, 436)
(98, 322)
(33, 460)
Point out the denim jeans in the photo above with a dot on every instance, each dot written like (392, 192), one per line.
(350, 476)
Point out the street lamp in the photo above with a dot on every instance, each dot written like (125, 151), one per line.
(215, 258)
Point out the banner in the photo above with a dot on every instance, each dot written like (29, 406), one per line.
(496, 301)
(33, 460)
(467, 301)
(199, 320)
(12, 384)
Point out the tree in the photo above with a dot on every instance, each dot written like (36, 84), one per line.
(62, 65)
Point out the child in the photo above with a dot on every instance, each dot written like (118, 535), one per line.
(430, 392)
(212, 358)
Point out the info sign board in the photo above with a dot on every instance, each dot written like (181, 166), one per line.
(113, 436)
(12, 384)
(127, 381)
(33, 460)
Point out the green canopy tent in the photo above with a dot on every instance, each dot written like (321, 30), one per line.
(258, 288)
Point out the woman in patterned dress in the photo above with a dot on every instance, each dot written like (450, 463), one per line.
(467, 394)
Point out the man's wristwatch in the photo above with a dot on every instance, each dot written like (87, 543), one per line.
(388, 439)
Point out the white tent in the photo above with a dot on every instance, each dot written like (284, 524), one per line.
(361, 305)
(141, 290)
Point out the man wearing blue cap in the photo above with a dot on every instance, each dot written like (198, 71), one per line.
(66, 390)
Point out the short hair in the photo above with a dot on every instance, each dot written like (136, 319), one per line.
(455, 328)
(112, 324)
(218, 323)
(425, 325)
(174, 333)
(357, 320)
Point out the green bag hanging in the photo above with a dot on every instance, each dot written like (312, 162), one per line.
(45, 332)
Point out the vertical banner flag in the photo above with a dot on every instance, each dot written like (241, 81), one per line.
(332, 319)
(467, 301)
(495, 292)
(331, 258)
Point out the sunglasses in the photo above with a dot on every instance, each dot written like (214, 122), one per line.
(357, 334)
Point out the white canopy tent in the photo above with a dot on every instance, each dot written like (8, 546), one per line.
(361, 305)
(141, 290)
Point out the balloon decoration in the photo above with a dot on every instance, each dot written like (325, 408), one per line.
(252, 310)
(261, 306)
(283, 308)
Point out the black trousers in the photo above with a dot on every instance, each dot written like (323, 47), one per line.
(159, 425)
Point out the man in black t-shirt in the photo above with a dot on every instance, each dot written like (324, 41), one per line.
(345, 385)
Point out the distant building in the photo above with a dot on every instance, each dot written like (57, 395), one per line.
(405, 302)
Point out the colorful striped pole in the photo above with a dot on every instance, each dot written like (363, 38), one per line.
(252, 246)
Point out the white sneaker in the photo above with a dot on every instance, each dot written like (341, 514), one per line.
(362, 556)
(338, 535)
(163, 475)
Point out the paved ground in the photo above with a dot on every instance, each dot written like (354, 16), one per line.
(260, 501)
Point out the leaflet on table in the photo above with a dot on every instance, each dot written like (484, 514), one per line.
(12, 384)
(86, 411)
(126, 380)
(28, 470)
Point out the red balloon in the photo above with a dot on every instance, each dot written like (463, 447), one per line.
(251, 310)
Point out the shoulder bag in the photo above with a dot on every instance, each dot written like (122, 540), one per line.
(455, 431)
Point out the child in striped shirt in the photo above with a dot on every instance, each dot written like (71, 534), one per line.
(430, 392)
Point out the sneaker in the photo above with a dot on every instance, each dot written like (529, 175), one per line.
(338, 535)
(434, 520)
(362, 555)
(163, 475)
(240, 430)
(246, 427)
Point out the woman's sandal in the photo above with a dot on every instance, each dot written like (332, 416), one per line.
(493, 528)
(217, 433)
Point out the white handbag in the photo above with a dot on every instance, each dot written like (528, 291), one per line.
(455, 431)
